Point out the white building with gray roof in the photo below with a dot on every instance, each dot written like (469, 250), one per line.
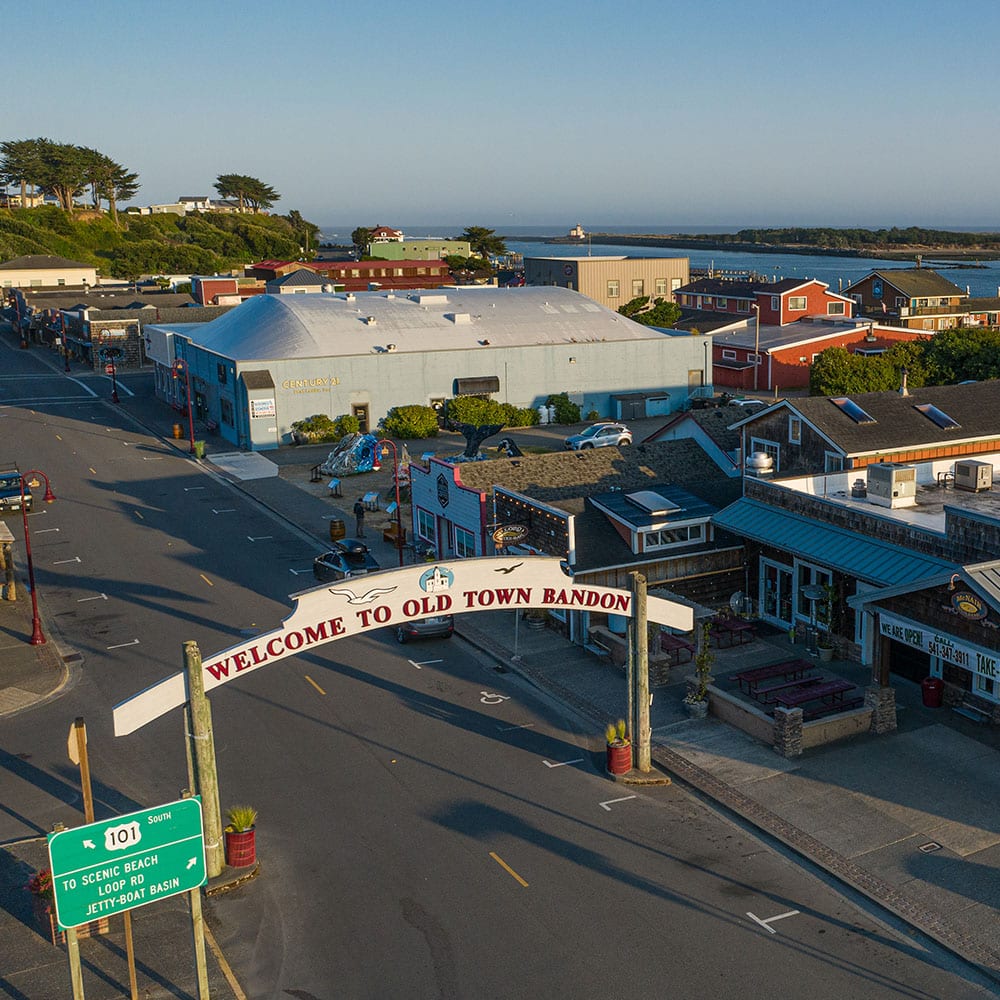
(277, 359)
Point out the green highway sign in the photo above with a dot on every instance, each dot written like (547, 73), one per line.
(128, 861)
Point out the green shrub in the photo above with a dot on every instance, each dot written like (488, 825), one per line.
(346, 424)
(319, 427)
(567, 412)
(409, 422)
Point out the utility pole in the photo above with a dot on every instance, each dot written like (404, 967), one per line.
(643, 730)
(204, 756)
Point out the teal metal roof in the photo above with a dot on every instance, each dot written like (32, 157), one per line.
(860, 556)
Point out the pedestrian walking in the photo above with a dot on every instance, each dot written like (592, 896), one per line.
(359, 518)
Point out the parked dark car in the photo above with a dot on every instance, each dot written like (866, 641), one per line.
(425, 628)
(10, 491)
(348, 558)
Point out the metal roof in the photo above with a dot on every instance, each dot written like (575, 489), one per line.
(269, 327)
(867, 559)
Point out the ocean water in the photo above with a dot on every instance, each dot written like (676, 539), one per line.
(982, 280)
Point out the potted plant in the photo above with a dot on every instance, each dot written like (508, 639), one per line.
(619, 758)
(696, 700)
(241, 845)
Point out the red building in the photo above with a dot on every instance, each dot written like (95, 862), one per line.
(362, 275)
(778, 302)
(778, 358)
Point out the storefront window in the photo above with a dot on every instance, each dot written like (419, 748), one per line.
(465, 543)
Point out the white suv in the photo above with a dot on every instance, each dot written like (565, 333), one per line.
(599, 436)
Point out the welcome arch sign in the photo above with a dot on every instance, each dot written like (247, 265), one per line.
(354, 606)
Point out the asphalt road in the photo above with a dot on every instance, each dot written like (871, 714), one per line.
(429, 827)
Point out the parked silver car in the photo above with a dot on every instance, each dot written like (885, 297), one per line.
(599, 436)
(425, 628)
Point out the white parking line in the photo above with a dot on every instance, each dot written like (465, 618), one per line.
(564, 763)
(99, 597)
(122, 645)
(766, 923)
(59, 562)
(610, 802)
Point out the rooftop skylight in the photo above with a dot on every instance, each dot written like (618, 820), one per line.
(851, 409)
(939, 417)
(652, 502)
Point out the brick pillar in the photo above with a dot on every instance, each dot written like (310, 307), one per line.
(882, 702)
(788, 732)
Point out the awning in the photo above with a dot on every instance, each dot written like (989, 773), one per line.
(864, 558)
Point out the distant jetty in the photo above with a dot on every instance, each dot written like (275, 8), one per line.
(678, 242)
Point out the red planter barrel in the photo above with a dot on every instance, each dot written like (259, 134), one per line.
(241, 848)
(932, 690)
(619, 759)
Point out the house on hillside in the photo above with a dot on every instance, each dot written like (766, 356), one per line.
(46, 271)
(916, 298)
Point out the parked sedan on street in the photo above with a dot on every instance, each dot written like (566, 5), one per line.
(349, 557)
(425, 628)
(599, 436)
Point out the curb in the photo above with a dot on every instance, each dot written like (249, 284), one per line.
(227, 882)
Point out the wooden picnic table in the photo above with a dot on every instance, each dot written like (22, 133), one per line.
(769, 694)
(733, 629)
(786, 669)
(831, 692)
(674, 646)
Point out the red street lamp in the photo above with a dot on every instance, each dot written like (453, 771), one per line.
(37, 639)
(384, 444)
(180, 365)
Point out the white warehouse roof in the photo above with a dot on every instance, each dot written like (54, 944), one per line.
(270, 327)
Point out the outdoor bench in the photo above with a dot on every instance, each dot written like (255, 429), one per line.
(769, 694)
(785, 669)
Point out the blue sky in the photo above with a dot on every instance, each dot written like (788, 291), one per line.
(451, 114)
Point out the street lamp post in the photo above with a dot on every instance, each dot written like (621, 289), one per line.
(384, 444)
(37, 639)
(180, 365)
(114, 380)
(756, 344)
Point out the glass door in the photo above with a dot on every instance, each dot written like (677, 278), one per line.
(776, 589)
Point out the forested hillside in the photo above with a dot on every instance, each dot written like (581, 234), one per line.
(149, 244)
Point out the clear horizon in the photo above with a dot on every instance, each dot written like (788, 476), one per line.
(568, 111)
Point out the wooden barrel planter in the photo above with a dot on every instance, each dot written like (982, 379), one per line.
(619, 758)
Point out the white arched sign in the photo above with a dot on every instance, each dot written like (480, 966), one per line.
(353, 606)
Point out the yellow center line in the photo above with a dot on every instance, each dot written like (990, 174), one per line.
(507, 868)
(314, 684)
(138, 515)
(206, 579)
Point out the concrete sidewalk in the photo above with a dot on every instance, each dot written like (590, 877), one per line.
(908, 820)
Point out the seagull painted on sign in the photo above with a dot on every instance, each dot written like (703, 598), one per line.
(365, 598)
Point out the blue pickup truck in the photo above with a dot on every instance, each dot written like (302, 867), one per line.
(10, 491)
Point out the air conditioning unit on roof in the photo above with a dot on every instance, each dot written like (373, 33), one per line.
(973, 476)
(892, 485)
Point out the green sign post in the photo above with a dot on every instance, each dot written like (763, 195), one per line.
(128, 861)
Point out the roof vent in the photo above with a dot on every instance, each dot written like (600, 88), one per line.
(370, 320)
(760, 465)
(349, 297)
(390, 347)
(459, 319)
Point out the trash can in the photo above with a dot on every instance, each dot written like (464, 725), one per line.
(337, 530)
(932, 689)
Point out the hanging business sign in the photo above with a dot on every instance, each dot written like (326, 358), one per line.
(510, 534)
(354, 606)
(947, 647)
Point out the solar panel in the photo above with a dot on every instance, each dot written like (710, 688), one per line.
(851, 409)
(939, 417)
